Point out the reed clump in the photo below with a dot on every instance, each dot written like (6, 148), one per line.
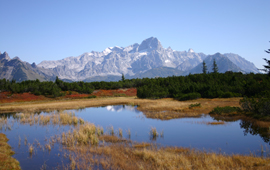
(111, 130)
(68, 118)
(30, 149)
(99, 131)
(120, 132)
(129, 133)
(84, 134)
(48, 147)
(62, 118)
(153, 133)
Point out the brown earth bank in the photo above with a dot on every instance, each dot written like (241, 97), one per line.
(6, 161)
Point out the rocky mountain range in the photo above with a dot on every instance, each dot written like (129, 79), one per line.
(148, 59)
(18, 70)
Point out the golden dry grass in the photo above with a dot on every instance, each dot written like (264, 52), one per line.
(6, 161)
(216, 123)
(62, 118)
(159, 109)
(132, 158)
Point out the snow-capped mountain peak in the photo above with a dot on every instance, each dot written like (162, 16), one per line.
(191, 50)
(130, 60)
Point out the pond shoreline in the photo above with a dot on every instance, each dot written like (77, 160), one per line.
(119, 154)
(168, 105)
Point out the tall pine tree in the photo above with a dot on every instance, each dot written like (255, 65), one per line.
(267, 67)
(204, 68)
(215, 67)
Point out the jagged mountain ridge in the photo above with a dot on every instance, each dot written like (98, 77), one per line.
(135, 61)
(131, 60)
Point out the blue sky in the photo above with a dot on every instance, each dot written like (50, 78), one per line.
(37, 30)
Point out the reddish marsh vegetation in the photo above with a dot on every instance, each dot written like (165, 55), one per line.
(116, 93)
(8, 97)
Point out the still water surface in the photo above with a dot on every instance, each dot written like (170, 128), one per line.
(238, 137)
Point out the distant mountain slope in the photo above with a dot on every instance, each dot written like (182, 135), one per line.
(158, 72)
(242, 63)
(223, 63)
(103, 78)
(18, 70)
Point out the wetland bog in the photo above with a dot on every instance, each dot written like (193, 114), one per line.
(120, 134)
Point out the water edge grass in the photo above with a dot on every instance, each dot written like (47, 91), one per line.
(6, 159)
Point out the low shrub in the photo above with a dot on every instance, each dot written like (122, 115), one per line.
(195, 105)
(189, 96)
(226, 110)
(119, 95)
(230, 94)
(91, 97)
(259, 106)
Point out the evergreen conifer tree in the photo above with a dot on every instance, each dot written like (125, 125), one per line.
(215, 67)
(267, 67)
(123, 77)
(204, 68)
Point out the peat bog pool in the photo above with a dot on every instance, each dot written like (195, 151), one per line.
(232, 137)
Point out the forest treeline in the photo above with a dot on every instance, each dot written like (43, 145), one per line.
(213, 85)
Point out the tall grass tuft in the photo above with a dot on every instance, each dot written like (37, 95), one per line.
(111, 130)
(129, 133)
(153, 133)
(162, 134)
(120, 132)
(30, 149)
(48, 147)
(82, 135)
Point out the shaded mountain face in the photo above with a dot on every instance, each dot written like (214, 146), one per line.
(18, 70)
(242, 63)
(223, 63)
(147, 59)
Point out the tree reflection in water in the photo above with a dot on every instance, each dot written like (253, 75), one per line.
(250, 126)
(253, 128)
